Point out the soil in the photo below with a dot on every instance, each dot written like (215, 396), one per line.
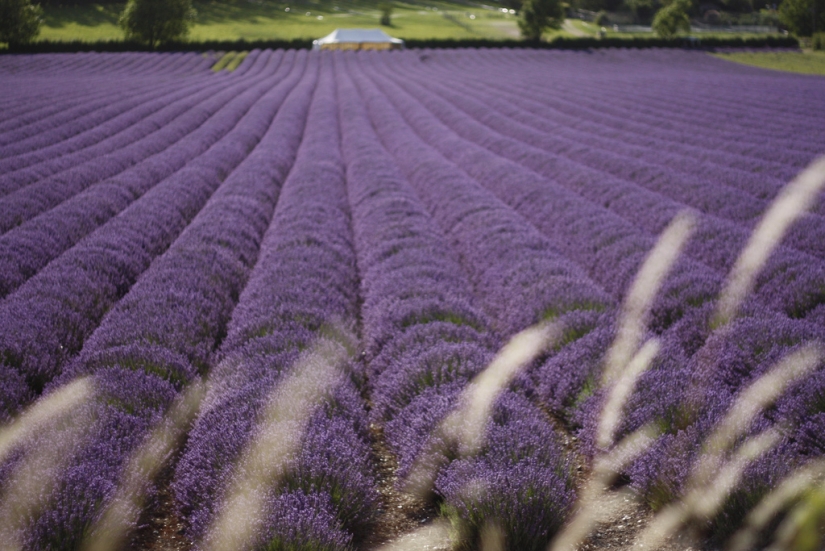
(404, 522)
(159, 527)
(401, 515)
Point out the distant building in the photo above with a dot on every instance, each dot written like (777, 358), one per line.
(358, 39)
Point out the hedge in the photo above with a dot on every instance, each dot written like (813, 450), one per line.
(561, 43)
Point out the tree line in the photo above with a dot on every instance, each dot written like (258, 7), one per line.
(669, 17)
(154, 22)
(151, 22)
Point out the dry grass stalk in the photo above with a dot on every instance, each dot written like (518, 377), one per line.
(121, 514)
(591, 508)
(760, 394)
(642, 293)
(622, 389)
(791, 203)
(714, 476)
(701, 502)
(34, 479)
(492, 538)
(464, 428)
(625, 363)
(466, 425)
(801, 529)
(789, 490)
(276, 440)
(48, 408)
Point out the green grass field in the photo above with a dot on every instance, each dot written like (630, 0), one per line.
(283, 19)
(807, 62)
(586, 28)
(287, 19)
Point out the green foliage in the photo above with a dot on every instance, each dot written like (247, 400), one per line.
(818, 41)
(386, 14)
(672, 18)
(643, 10)
(808, 518)
(803, 17)
(155, 22)
(601, 19)
(19, 21)
(538, 15)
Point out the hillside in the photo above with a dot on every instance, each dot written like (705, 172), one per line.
(286, 19)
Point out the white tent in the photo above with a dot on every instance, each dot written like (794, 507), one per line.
(358, 39)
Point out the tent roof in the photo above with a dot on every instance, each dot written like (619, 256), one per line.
(358, 35)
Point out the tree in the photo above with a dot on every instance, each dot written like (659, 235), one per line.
(672, 18)
(386, 13)
(803, 17)
(538, 15)
(156, 21)
(19, 21)
(641, 9)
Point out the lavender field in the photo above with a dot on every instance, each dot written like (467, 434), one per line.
(236, 308)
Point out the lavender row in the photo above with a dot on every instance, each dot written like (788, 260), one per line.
(40, 91)
(33, 199)
(569, 393)
(755, 120)
(95, 135)
(503, 256)
(160, 335)
(754, 155)
(93, 63)
(27, 248)
(717, 375)
(600, 110)
(430, 101)
(554, 383)
(748, 347)
(717, 244)
(662, 398)
(425, 340)
(18, 113)
(114, 135)
(110, 136)
(303, 286)
(568, 116)
(741, 196)
(28, 115)
(772, 162)
(529, 280)
(47, 319)
(695, 113)
(423, 337)
(90, 64)
(791, 282)
(608, 247)
(25, 150)
(67, 106)
(25, 113)
(707, 386)
(588, 129)
(744, 139)
(747, 168)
